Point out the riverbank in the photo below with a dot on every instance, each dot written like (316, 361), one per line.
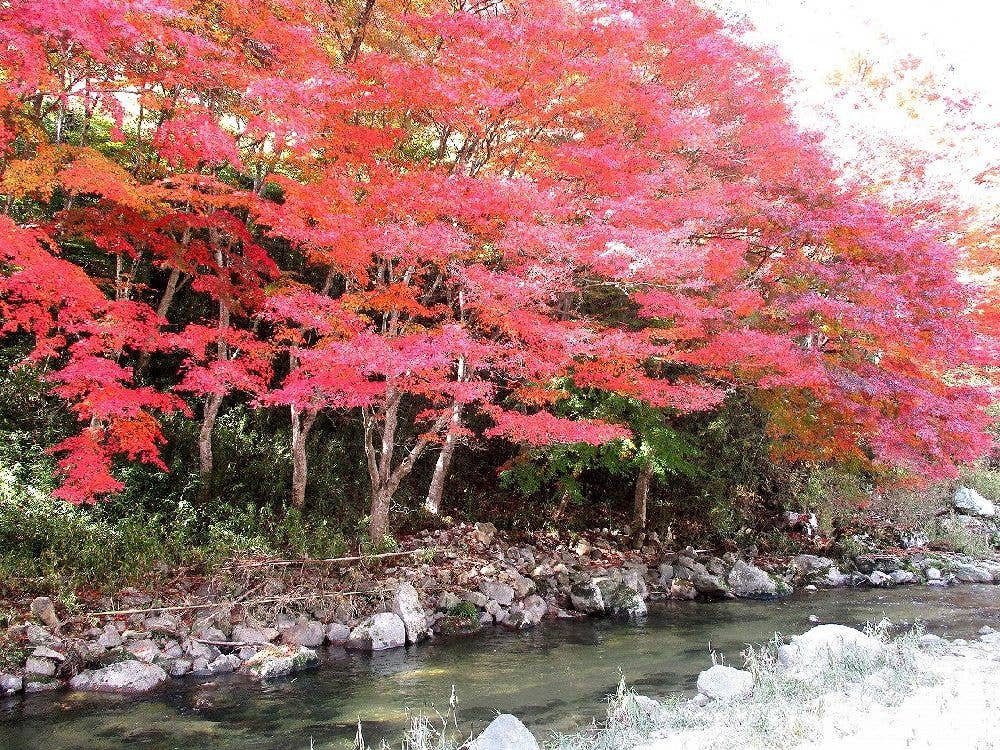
(267, 617)
(831, 688)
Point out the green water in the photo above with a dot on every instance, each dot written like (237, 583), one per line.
(553, 678)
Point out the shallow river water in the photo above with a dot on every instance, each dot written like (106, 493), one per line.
(554, 678)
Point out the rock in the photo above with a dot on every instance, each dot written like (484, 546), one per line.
(498, 592)
(122, 677)
(868, 564)
(583, 547)
(280, 661)
(248, 634)
(522, 586)
(626, 603)
(209, 633)
(110, 637)
(505, 732)
(933, 574)
(43, 610)
(10, 684)
(709, 585)
(304, 632)
(145, 650)
(748, 581)
(337, 633)
(971, 573)
(44, 652)
(586, 597)
(475, 599)
(38, 666)
(835, 578)
(723, 683)
(41, 684)
(681, 588)
(810, 567)
(486, 533)
(179, 667)
(880, 579)
(162, 624)
(822, 645)
(406, 604)
(666, 574)
(448, 601)
(381, 631)
(902, 577)
(966, 500)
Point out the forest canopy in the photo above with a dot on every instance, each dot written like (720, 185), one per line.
(568, 234)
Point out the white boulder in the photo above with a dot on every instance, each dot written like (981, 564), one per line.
(971, 503)
(505, 732)
(379, 632)
(825, 645)
(129, 676)
(406, 605)
(723, 683)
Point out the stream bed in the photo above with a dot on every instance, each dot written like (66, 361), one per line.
(554, 678)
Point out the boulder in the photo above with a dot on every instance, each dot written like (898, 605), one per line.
(971, 573)
(723, 683)
(709, 585)
(406, 604)
(248, 634)
(304, 632)
(145, 650)
(43, 610)
(498, 592)
(586, 597)
(666, 574)
(681, 588)
(381, 631)
(110, 637)
(966, 500)
(505, 732)
(823, 645)
(162, 624)
(337, 633)
(902, 577)
(835, 578)
(808, 567)
(123, 677)
(880, 579)
(748, 581)
(933, 574)
(273, 661)
(36, 665)
(626, 603)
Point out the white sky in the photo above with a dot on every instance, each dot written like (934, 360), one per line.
(956, 39)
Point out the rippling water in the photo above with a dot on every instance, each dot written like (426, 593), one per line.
(553, 678)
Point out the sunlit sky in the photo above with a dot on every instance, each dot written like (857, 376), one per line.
(956, 39)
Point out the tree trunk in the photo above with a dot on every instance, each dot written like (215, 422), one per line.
(642, 494)
(302, 422)
(378, 525)
(212, 404)
(436, 490)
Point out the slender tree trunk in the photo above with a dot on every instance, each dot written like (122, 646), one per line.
(642, 494)
(212, 404)
(302, 422)
(436, 489)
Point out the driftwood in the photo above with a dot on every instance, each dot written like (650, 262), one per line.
(333, 560)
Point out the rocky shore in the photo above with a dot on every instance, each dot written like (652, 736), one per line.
(269, 618)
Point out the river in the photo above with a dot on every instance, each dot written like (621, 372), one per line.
(554, 678)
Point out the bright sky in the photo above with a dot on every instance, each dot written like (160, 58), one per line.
(955, 38)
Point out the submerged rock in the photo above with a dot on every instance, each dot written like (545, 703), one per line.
(280, 661)
(970, 502)
(505, 732)
(723, 683)
(10, 684)
(129, 676)
(381, 631)
(748, 581)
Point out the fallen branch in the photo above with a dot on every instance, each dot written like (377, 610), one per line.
(230, 604)
(334, 560)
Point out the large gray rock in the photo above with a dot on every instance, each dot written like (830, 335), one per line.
(308, 633)
(971, 573)
(273, 661)
(723, 683)
(586, 597)
(971, 503)
(748, 581)
(123, 677)
(626, 603)
(110, 637)
(824, 645)
(379, 632)
(527, 614)
(337, 633)
(406, 604)
(252, 635)
(505, 732)
(709, 585)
